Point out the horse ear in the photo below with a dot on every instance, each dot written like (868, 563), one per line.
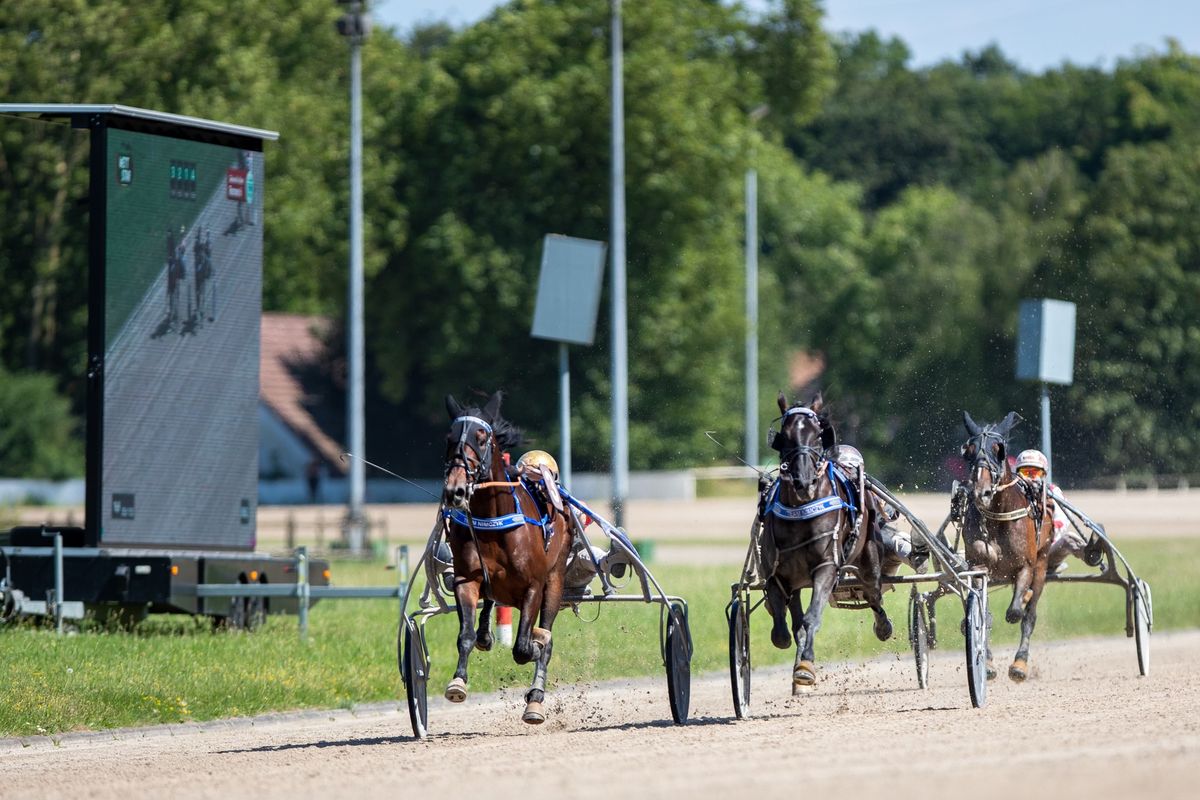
(452, 407)
(492, 409)
(1010, 422)
(970, 425)
(828, 434)
(783, 403)
(817, 404)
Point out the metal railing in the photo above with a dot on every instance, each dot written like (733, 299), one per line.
(302, 590)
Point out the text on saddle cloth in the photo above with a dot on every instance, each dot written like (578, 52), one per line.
(820, 506)
(507, 521)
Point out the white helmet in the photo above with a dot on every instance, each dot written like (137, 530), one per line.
(1033, 458)
(529, 463)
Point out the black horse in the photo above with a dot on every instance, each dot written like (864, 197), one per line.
(818, 526)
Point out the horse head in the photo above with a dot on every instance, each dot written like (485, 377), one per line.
(801, 441)
(986, 453)
(470, 449)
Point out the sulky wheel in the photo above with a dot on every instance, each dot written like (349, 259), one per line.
(739, 656)
(414, 669)
(679, 663)
(918, 636)
(1143, 620)
(975, 629)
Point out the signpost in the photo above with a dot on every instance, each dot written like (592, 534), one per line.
(1046, 352)
(568, 298)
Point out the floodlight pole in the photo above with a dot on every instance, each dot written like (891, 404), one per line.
(564, 416)
(752, 316)
(354, 26)
(620, 367)
(1046, 431)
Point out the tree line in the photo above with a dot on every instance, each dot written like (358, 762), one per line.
(903, 212)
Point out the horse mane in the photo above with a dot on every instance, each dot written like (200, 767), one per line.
(507, 434)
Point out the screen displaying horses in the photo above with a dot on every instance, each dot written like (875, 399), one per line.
(182, 305)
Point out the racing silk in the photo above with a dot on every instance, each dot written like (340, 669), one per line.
(815, 508)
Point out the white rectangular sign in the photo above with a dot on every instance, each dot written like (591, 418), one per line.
(569, 287)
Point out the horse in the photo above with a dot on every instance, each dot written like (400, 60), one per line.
(505, 548)
(1005, 532)
(815, 525)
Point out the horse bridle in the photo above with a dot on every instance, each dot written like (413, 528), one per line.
(790, 453)
(466, 438)
(995, 470)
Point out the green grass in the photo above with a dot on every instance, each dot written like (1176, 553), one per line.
(174, 669)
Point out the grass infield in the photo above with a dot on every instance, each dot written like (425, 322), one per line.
(175, 669)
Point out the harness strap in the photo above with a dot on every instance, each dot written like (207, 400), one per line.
(1003, 516)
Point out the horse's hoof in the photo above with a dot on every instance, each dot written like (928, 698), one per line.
(805, 674)
(1012, 616)
(990, 670)
(534, 713)
(883, 630)
(456, 692)
(483, 643)
(1019, 670)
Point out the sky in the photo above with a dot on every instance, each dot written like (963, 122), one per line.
(1036, 34)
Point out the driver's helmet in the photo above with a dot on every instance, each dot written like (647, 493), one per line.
(1032, 464)
(529, 463)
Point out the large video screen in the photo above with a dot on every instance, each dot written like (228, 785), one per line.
(182, 300)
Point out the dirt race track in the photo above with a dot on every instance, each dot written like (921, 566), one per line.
(1084, 725)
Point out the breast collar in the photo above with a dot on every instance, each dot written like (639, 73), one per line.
(815, 508)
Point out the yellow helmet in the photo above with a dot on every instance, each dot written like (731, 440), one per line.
(530, 462)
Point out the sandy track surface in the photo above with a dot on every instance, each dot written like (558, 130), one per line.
(1084, 725)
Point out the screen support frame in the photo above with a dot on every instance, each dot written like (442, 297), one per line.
(93, 512)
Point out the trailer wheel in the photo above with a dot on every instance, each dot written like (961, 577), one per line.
(256, 609)
(235, 620)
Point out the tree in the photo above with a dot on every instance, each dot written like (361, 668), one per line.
(504, 144)
(37, 432)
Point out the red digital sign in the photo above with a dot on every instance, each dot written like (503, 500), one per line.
(235, 184)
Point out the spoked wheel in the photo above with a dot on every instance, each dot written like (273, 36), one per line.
(918, 636)
(414, 669)
(739, 656)
(1143, 620)
(679, 663)
(975, 628)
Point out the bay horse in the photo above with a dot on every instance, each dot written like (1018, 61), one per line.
(1004, 531)
(505, 548)
(815, 525)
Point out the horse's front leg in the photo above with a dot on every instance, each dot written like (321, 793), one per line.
(872, 576)
(1019, 670)
(535, 713)
(777, 605)
(530, 640)
(466, 595)
(483, 636)
(804, 673)
(1021, 585)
